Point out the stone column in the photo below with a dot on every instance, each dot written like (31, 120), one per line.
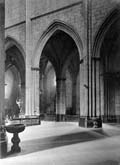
(3, 141)
(41, 89)
(74, 82)
(84, 109)
(28, 109)
(35, 92)
(60, 99)
(90, 108)
(85, 69)
(102, 99)
(93, 87)
(96, 93)
(23, 99)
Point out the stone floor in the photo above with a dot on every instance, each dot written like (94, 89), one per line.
(65, 143)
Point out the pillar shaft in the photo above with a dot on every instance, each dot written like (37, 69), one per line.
(23, 98)
(101, 91)
(85, 71)
(28, 79)
(98, 92)
(35, 93)
(90, 108)
(74, 95)
(60, 100)
(3, 141)
(96, 89)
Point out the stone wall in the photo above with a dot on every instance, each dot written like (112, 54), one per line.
(44, 12)
(75, 20)
(18, 33)
(14, 12)
(41, 7)
(100, 11)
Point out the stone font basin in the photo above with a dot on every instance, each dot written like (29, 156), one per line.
(15, 128)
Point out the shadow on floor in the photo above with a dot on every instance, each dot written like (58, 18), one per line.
(112, 131)
(100, 131)
(55, 141)
(42, 144)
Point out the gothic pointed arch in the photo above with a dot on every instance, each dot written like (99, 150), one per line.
(113, 16)
(106, 68)
(13, 47)
(57, 44)
(56, 25)
(15, 64)
(10, 41)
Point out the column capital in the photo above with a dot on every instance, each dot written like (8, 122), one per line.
(61, 79)
(35, 69)
(96, 58)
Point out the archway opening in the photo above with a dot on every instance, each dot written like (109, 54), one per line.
(47, 89)
(110, 69)
(59, 77)
(14, 83)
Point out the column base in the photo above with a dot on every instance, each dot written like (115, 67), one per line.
(90, 122)
(60, 117)
(3, 145)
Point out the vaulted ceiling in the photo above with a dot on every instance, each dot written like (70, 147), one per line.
(58, 50)
(110, 49)
(15, 58)
(111, 42)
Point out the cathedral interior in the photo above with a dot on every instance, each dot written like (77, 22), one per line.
(60, 73)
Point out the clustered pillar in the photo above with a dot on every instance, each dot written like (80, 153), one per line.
(90, 98)
(74, 97)
(28, 80)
